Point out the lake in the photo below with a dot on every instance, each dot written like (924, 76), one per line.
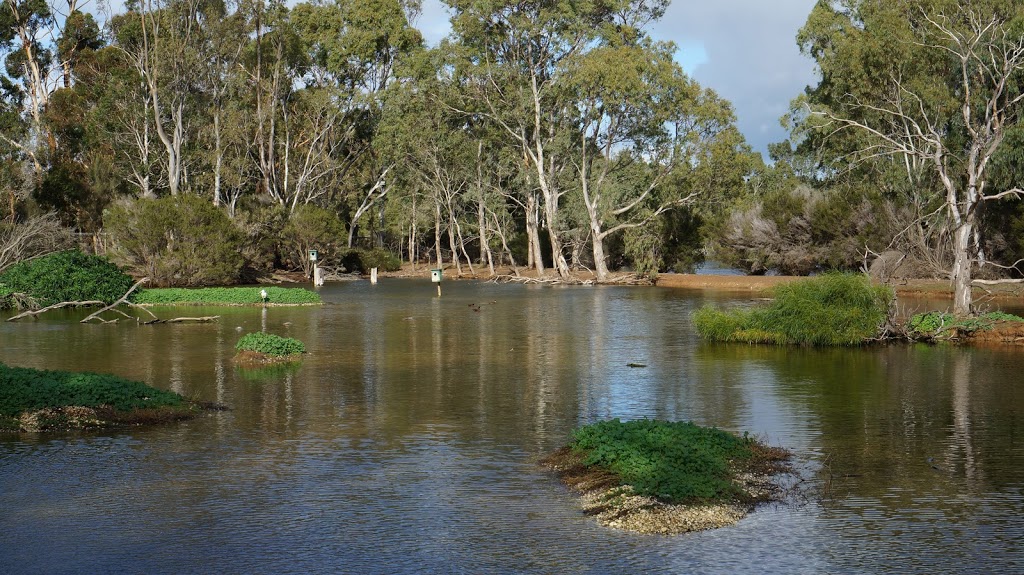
(407, 441)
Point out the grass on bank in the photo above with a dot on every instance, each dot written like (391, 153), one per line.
(270, 345)
(227, 296)
(24, 390)
(829, 310)
(936, 325)
(675, 462)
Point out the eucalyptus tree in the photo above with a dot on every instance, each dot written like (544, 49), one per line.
(931, 86)
(25, 32)
(352, 48)
(515, 55)
(431, 147)
(163, 40)
(646, 132)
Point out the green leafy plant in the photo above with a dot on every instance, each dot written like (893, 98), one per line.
(66, 276)
(672, 461)
(270, 344)
(229, 296)
(942, 325)
(25, 389)
(833, 309)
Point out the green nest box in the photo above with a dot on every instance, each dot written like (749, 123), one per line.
(435, 276)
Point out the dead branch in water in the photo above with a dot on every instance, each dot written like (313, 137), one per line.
(206, 319)
(62, 304)
(95, 315)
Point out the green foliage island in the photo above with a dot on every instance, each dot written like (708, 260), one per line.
(228, 296)
(49, 400)
(68, 275)
(667, 477)
(828, 310)
(258, 348)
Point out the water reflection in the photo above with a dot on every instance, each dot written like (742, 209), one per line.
(406, 441)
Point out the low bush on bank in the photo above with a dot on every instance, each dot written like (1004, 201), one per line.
(229, 296)
(270, 344)
(181, 240)
(362, 261)
(25, 389)
(65, 276)
(671, 461)
(833, 309)
(941, 325)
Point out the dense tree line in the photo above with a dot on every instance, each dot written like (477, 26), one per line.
(540, 133)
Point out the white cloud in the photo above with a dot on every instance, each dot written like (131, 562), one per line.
(752, 57)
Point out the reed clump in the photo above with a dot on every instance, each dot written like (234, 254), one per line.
(830, 310)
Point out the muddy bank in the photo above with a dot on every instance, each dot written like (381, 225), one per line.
(72, 418)
(249, 359)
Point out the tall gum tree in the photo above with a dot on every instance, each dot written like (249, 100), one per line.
(644, 130)
(515, 54)
(928, 84)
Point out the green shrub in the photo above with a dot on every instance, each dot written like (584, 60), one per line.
(941, 325)
(312, 227)
(66, 276)
(181, 240)
(672, 461)
(224, 295)
(270, 344)
(25, 389)
(362, 261)
(833, 309)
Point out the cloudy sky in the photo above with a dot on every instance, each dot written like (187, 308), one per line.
(743, 49)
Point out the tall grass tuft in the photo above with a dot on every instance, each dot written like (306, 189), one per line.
(829, 310)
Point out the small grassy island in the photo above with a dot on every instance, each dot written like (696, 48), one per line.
(228, 296)
(833, 309)
(258, 348)
(43, 400)
(650, 476)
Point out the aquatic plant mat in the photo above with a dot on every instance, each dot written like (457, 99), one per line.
(706, 497)
(228, 296)
(33, 400)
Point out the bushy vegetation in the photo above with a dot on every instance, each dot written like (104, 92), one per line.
(833, 309)
(943, 325)
(270, 344)
(65, 276)
(312, 227)
(362, 261)
(799, 230)
(25, 389)
(225, 295)
(176, 241)
(672, 461)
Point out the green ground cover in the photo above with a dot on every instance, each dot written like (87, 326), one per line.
(675, 462)
(64, 276)
(227, 296)
(270, 344)
(833, 309)
(25, 390)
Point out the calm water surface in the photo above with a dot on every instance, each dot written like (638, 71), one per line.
(407, 442)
